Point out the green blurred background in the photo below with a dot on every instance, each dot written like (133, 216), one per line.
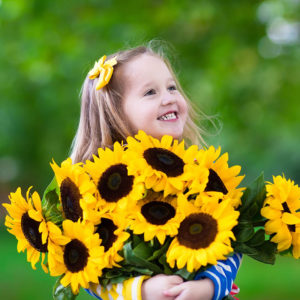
(237, 60)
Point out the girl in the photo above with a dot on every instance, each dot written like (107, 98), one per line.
(132, 90)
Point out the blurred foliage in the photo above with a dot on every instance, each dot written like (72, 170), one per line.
(224, 56)
(238, 60)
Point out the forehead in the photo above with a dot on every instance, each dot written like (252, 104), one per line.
(145, 67)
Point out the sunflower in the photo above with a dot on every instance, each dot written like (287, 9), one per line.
(111, 230)
(115, 188)
(156, 216)
(76, 191)
(165, 165)
(204, 236)
(80, 261)
(282, 209)
(26, 222)
(222, 179)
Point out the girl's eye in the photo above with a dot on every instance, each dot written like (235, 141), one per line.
(172, 88)
(150, 92)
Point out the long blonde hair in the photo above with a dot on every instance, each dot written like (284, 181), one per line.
(102, 121)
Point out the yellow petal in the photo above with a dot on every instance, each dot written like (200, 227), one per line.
(37, 201)
(270, 213)
(290, 219)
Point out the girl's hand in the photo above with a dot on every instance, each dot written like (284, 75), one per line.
(202, 289)
(154, 287)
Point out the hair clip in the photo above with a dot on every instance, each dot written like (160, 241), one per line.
(104, 69)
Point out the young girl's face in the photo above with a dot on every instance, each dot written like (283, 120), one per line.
(151, 100)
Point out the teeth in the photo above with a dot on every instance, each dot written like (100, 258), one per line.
(170, 116)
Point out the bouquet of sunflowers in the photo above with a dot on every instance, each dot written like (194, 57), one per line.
(149, 207)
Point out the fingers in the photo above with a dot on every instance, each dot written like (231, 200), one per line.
(175, 279)
(182, 296)
(171, 279)
(174, 291)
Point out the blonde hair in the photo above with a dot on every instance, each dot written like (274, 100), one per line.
(102, 121)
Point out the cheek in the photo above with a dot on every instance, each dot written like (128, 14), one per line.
(138, 118)
(129, 111)
(143, 120)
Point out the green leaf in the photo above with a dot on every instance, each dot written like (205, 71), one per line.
(158, 253)
(163, 261)
(53, 186)
(131, 258)
(139, 270)
(288, 252)
(118, 279)
(243, 232)
(62, 293)
(143, 250)
(255, 192)
(257, 239)
(117, 275)
(136, 239)
(250, 212)
(111, 273)
(104, 282)
(50, 203)
(266, 253)
(185, 274)
(244, 249)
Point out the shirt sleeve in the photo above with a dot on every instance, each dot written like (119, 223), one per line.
(222, 274)
(128, 289)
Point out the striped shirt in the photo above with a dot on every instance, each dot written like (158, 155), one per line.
(128, 289)
(222, 275)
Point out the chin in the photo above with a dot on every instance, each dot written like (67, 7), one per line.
(175, 135)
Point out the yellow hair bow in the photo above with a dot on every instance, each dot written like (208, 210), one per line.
(104, 69)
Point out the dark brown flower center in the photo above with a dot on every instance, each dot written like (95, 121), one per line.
(158, 212)
(215, 184)
(165, 161)
(31, 232)
(115, 183)
(197, 231)
(70, 199)
(286, 209)
(106, 231)
(75, 256)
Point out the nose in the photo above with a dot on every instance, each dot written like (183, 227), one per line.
(168, 98)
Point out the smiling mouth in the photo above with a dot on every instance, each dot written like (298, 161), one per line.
(168, 116)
